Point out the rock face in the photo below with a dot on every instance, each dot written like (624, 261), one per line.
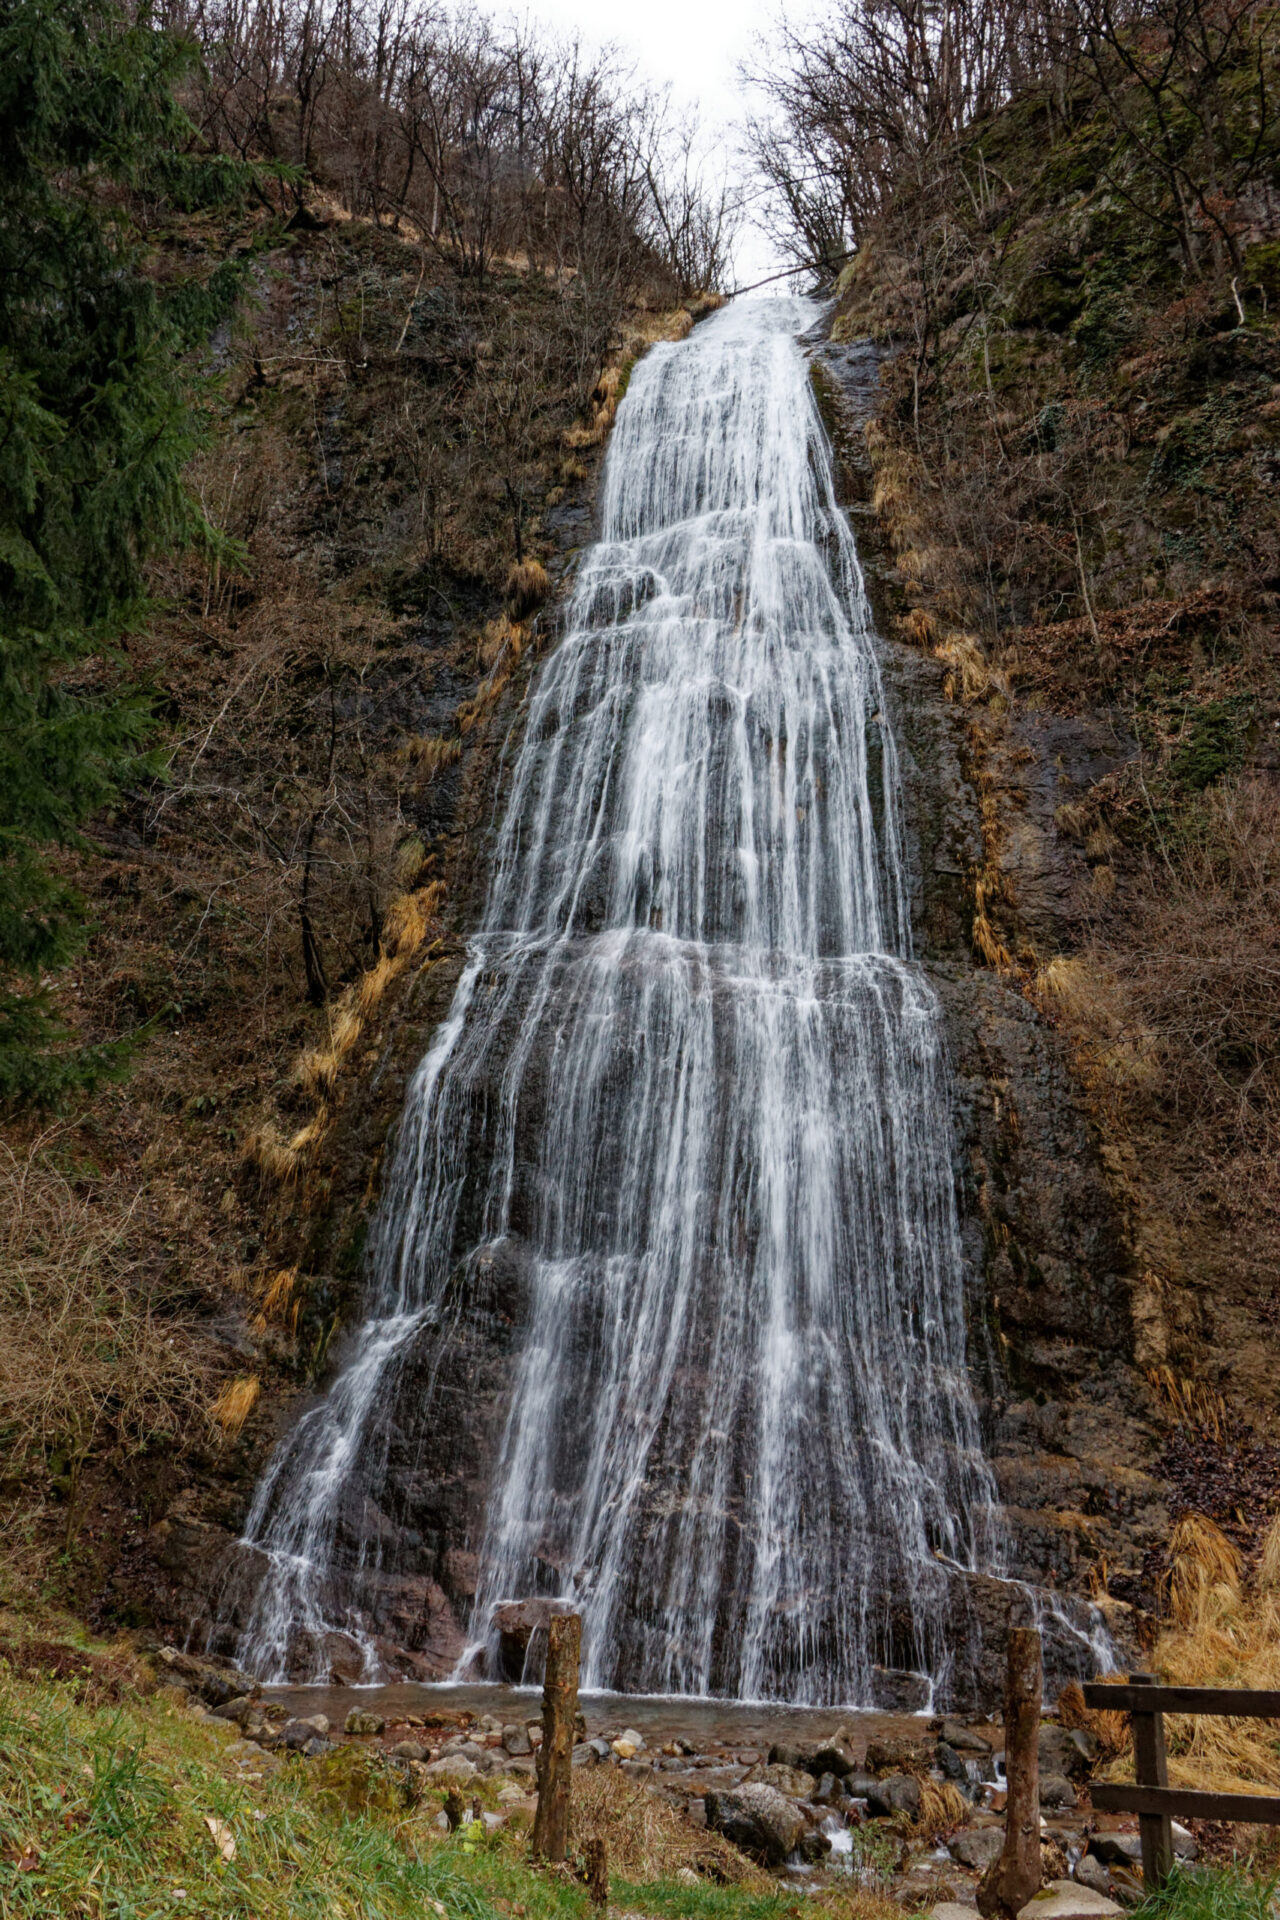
(1057, 1332)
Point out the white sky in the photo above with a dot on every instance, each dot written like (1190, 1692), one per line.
(696, 46)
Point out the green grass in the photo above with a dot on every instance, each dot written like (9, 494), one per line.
(1200, 1893)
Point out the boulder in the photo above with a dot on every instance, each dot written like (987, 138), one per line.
(977, 1847)
(1056, 1791)
(757, 1818)
(964, 1739)
(890, 1756)
(899, 1793)
(835, 1758)
(897, 1690)
(516, 1622)
(860, 1786)
(1117, 1849)
(1070, 1751)
(952, 1910)
(516, 1739)
(953, 1767)
(240, 1709)
(829, 1791)
(1067, 1900)
(454, 1766)
(584, 1755)
(410, 1750)
(785, 1756)
(1090, 1872)
(299, 1736)
(216, 1682)
(358, 1721)
(1184, 1841)
(793, 1781)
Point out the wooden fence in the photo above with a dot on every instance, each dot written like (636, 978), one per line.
(1150, 1796)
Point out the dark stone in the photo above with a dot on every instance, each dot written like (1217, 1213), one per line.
(964, 1739)
(758, 1819)
(949, 1760)
(835, 1758)
(977, 1847)
(1056, 1791)
(899, 1793)
(1067, 1751)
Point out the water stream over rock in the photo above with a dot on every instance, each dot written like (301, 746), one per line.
(688, 1119)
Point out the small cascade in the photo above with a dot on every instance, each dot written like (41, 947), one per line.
(692, 1103)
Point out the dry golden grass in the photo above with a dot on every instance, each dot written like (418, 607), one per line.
(970, 677)
(235, 1403)
(648, 1838)
(528, 587)
(1222, 1631)
(1111, 1729)
(279, 1302)
(429, 752)
(943, 1809)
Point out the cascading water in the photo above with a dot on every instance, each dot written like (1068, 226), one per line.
(692, 1096)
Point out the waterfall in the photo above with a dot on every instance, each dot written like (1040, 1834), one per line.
(691, 1101)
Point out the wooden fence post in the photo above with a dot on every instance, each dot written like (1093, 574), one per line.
(1150, 1770)
(559, 1711)
(1015, 1875)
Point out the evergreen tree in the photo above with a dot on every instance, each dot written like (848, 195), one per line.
(97, 422)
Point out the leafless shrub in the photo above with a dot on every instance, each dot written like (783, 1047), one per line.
(91, 1355)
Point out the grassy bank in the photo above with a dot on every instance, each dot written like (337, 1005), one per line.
(118, 1805)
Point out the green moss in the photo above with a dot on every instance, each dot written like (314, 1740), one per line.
(1215, 744)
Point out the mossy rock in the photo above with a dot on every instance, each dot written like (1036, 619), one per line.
(361, 1781)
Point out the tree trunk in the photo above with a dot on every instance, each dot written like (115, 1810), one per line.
(559, 1712)
(1015, 1876)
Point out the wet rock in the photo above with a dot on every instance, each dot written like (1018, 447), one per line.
(358, 1721)
(890, 1756)
(516, 1740)
(814, 1847)
(964, 1739)
(410, 1750)
(896, 1690)
(785, 1756)
(836, 1757)
(977, 1847)
(240, 1709)
(952, 1766)
(215, 1682)
(898, 1793)
(300, 1736)
(829, 1791)
(1067, 1750)
(1116, 1849)
(793, 1781)
(517, 1622)
(1090, 1872)
(860, 1786)
(1057, 1791)
(1066, 1900)
(758, 1819)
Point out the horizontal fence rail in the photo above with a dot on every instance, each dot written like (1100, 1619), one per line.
(1150, 1796)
